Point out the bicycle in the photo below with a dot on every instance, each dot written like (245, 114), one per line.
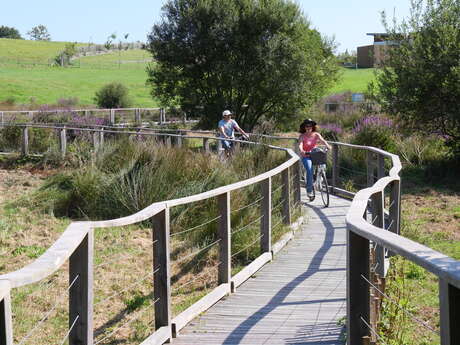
(319, 158)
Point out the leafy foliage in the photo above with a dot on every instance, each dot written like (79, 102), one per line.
(113, 95)
(420, 81)
(261, 59)
(9, 32)
(39, 33)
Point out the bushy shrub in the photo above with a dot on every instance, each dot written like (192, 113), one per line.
(374, 131)
(331, 131)
(113, 95)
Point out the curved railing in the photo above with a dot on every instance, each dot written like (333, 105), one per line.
(76, 245)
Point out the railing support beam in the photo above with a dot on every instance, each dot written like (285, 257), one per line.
(266, 221)
(161, 269)
(25, 141)
(81, 292)
(225, 268)
(286, 193)
(449, 305)
(358, 294)
(6, 326)
(335, 167)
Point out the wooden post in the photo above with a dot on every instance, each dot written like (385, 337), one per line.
(112, 116)
(206, 145)
(380, 166)
(168, 141)
(225, 268)
(137, 116)
(6, 325)
(25, 141)
(266, 221)
(286, 194)
(449, 309)
(2, 120)
(296, 179)
(179, 140)
(395, 207)
(63, 141)
(95, 141)
(370, 168)
(161, 267)
(358, 295)
(219, 146)
(101, 138)
(335, 167)
(161, 115)
(378, 221)
(81, 292)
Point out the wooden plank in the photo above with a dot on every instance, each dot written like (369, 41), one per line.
(357, 288)
(266, 213)
(449, 305)
(197, 308)
(161, 266)
(225, 269)
(81, 292)
(159, 337)
(6, 325)
(250, 269)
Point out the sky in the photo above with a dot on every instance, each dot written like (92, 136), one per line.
(93, 21)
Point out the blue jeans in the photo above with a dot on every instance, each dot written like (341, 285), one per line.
(227, 145)
(309, 168)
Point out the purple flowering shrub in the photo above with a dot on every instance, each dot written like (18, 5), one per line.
(331, 131)
(375, 131)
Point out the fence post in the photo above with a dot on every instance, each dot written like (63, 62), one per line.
(95, 140)
(370, 168)
(335, 167)
(286, 193)
(378, 221)
(81, 292)
(225, 268)
(2, 118)
(380, 166)
(266, 222)
(296, 179)
(25, 141)
(449, 310)
(206, 145)
(112, 116)
(161, 267)
(101, 138)
(63, 141)
(358, 292)
(161, 115)
(179, 139)
(395, 207)
(137, 116)
(6, 325)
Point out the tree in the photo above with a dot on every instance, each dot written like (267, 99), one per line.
(261, 59)
(39, 33)
(9, 32)
(420, 80)
(108, 43)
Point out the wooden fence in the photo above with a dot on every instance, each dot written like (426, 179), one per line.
(373, 221)
(76, 245)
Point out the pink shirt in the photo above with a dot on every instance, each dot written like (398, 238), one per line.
(309, 143)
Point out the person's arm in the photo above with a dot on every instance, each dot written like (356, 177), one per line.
(301, 145)
(322, 141)
(239, 129)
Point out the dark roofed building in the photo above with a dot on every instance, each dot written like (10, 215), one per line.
(373, 55)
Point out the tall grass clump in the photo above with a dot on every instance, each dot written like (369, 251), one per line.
(375, 131)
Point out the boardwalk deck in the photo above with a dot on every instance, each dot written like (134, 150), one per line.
(299, 298)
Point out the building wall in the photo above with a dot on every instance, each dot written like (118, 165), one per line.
(365, 56)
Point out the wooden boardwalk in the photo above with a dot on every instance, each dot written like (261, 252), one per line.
(299, 298)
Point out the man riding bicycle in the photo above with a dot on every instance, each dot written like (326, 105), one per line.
(227, 128)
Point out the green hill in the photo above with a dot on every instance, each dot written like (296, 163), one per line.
(26, 75)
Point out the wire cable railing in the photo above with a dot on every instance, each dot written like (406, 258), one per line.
(70, 330)
(248, 246)
(185, 258)
(195, 227)
(234, 232)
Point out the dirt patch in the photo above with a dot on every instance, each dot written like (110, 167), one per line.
(434, 213)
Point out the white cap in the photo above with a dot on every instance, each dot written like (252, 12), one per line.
(226, 113)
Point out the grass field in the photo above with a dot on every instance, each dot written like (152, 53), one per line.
(25, 75)
(354, 80)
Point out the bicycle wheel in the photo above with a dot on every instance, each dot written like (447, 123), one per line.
(324, 188)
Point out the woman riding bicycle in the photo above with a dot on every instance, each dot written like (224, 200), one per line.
(308, 139)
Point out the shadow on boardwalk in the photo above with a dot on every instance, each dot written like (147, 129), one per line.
(309, 334)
